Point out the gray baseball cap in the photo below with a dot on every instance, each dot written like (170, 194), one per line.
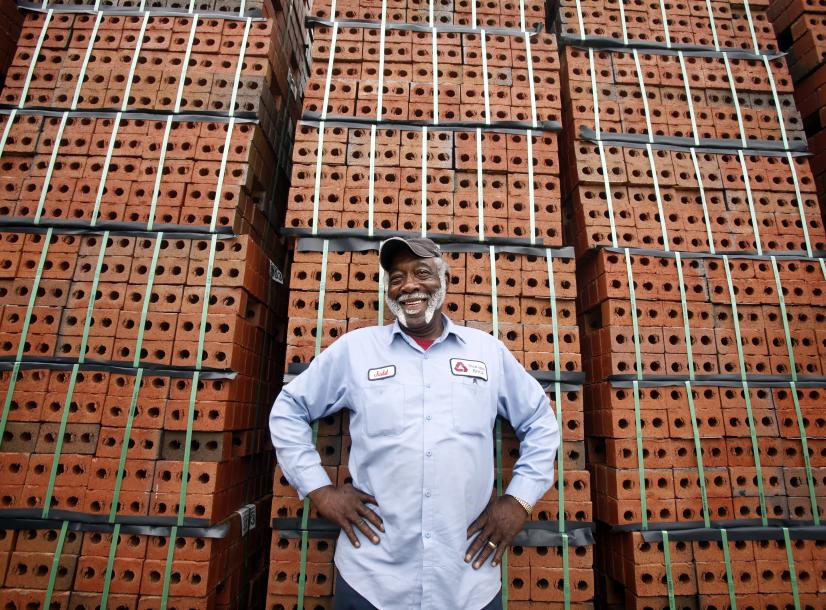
(418, 246)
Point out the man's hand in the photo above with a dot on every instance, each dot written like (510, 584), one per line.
(501, 520)
(347, 508)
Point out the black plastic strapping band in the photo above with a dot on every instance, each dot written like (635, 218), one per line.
(606, 43)
(719, 146)
(128, 229)
(315, 119)
(750, 526)
(7, 363)
(732, 380)
(772, 532)
(737, 254)
(343, 240)
(120, 11)
(135, 115)
(312, 22)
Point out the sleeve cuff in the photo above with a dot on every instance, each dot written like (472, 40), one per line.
(526, 489)
(311, 479)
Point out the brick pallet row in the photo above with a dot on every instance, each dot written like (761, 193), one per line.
(695, 220)
(377, 154)
(142, 329)
(215, 569)
(800, 28)
(525, 14)
(727, 25)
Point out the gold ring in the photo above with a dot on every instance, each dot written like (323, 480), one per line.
(492, 545)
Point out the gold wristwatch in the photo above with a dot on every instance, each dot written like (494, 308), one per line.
(528, 508)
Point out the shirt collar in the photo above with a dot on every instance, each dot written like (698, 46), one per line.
(450, 328)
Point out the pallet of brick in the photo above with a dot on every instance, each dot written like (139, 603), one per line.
(707, 571)
(68, 182)
(525, 14)
(430, 178)
(727, 25)
(477, 79)
(132, 567)
(66, 426)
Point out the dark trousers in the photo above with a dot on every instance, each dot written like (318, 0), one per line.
(348, 598)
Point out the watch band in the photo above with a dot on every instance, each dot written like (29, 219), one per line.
(528, 508)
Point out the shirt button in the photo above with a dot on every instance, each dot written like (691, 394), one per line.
(427, 493)
(427, 534)
(428, 453)
(428, 418)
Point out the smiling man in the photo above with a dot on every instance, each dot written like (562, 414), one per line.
(419, 528)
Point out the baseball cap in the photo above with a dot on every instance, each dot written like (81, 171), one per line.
(418, 246)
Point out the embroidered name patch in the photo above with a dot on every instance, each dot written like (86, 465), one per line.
(381, 373)
(468, 368)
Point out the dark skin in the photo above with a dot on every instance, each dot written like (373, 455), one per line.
(347, 506)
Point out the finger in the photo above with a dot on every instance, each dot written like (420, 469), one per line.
(477, 544)
(477, 525)
(351, 535)
(487, 550)
(365, 497)
(364, 528)
(372, 517)
(500, 551)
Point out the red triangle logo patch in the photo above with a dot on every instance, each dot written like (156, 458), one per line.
(460, 367)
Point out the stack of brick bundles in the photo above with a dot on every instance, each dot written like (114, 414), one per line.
(142, 322)
(448, 132)
(700, 301)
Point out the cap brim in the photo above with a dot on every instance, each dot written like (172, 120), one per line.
(391, 248)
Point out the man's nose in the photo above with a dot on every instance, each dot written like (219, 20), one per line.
(410, 285)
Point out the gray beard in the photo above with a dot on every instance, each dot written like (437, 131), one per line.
(434, 302)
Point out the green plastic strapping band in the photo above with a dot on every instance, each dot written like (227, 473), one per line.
(21, 348)
(64, 419)
(632, 295)
(566, 573)
(124, 448)
(494, 303)
(381, 296)
(804, 445)
(792, 570)
(782, 302)
(146, 299)
(746, 395)
(732, 598)
(199, 358)
(669, 577)
(699, 451)
(640, 456)
(549, 259)
(499, 492)
(689, 351)
(560, 459)
(499, 485)
(305, 514)
(110, 562)
(87, 325)
(167, 573)
(58, 552)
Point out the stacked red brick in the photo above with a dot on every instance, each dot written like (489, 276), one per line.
(699, 304)
(141, 325)
(800, 27)
(9, 31)
(451, 164)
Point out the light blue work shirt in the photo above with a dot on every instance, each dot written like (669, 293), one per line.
(421, 423)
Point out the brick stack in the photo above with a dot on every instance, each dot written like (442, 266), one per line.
(800, 28)
(142, 318)
(699, 297)
(9, 32)
(447, 133)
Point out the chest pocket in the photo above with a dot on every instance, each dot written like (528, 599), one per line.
(383, 405)
(470, 404)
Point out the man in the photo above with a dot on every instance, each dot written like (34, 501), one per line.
(423, 395)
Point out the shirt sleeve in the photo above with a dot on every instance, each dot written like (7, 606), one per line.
(317, 392)
(523, 402)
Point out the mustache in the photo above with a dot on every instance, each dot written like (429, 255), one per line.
(412, 297)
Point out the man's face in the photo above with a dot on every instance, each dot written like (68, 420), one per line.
(415, 290)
